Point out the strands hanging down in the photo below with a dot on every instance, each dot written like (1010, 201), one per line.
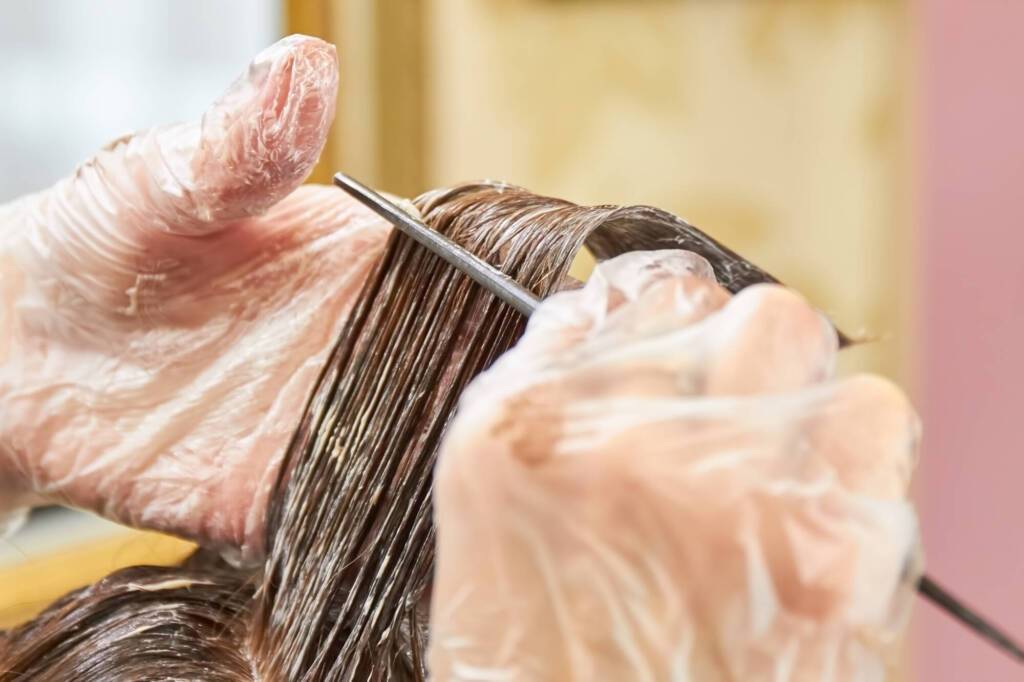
(344, 591)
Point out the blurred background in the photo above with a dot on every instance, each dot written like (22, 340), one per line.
(868, 152)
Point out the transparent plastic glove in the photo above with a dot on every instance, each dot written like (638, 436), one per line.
(663, 482)
(167, 309)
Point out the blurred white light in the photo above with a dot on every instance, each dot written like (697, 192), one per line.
(78, 74)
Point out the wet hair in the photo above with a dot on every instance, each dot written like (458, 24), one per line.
(343, 593)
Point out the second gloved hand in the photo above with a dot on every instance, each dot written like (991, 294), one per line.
(663, 482)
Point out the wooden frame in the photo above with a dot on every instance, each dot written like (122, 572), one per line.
(379, 134)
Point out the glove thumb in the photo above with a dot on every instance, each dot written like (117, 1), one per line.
(254, 145)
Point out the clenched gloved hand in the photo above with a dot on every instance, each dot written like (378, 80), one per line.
(166, 310)
(665, 482)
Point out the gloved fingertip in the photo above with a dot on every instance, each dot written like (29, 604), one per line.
(794, 343)
(261, 139)
(628, 276)
(871, 434)
(689, 291)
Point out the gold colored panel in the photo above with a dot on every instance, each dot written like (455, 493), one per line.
(380, 131)
(313, 18)
(27, 588)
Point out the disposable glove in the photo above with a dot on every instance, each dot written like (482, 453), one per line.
(665, 482)
(166, 309)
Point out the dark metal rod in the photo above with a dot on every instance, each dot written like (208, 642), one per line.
(479, 270)
(935, 593)
(511, 292)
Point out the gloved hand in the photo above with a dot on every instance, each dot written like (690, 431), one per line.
(165, 311)
(661, 481)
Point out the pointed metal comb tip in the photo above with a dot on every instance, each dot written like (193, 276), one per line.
(936, 594)
(512, 293)
(479, 270)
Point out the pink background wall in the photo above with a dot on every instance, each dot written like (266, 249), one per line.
(971, 325)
